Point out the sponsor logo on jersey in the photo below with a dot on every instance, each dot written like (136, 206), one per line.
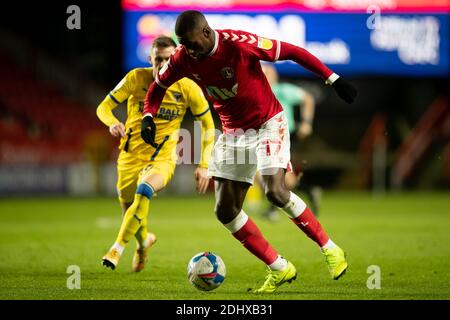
(222, 93)
(167, 114)
(264, 43)
(227, 72)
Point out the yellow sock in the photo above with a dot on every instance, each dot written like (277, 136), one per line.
(136, 215)
(141, 234)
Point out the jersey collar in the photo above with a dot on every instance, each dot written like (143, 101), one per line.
(216, 43)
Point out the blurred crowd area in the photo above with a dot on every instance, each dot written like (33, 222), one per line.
(395, 136)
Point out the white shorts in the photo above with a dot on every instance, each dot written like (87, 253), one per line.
(237, 156)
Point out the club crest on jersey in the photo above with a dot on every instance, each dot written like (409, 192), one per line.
(264, 43)
(177, 96)
(227, 72)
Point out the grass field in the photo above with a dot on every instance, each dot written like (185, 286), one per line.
(406, 235)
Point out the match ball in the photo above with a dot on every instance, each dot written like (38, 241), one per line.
(206, 271)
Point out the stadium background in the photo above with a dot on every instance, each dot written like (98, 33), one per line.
(48, 149)
(392, 141)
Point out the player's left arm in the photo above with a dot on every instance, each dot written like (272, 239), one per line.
(118, 95)
(171, 72)
(200, 110)
(273, 50)
(344, 89)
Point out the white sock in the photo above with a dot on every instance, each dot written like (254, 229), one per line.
(329, 245)
(279, 264)
(118, 247)
(295, 206)
(237, 223)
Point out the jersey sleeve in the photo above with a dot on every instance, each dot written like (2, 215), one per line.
(115, 97)
(170, 73)
(304, 58)
(173, 70)
(272, 50)
(124, 88)
(254, 46)
(200, 109)
(196, 100)
(104, 111)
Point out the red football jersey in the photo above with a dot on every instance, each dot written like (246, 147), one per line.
(231, 77)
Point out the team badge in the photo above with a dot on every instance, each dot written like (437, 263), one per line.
(264, 43)
(227, 73)
(177, 96)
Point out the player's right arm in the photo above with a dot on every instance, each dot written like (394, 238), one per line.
(118, 95)
(171, 72)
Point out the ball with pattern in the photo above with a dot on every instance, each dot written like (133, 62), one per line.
(206, 271)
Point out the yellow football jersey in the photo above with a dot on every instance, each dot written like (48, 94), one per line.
(179, 97)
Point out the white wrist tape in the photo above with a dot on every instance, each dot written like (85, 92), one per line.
(331, 79)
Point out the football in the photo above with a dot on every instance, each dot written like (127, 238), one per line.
(206, 271)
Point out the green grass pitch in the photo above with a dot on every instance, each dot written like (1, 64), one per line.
(406, 235)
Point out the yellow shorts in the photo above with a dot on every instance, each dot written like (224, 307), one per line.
(131, 170)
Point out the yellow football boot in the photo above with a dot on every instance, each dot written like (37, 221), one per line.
(274, 279)
(111, 258)
(337, 264)
(140, 256)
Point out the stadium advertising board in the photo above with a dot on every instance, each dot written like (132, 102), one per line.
(359, 37)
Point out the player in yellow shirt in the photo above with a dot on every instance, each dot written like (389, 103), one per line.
(142, 169)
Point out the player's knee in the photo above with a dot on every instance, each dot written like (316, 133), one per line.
(277, 195)
(145, 190)
(225, 212)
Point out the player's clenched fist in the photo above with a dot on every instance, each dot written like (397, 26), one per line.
(148, 130)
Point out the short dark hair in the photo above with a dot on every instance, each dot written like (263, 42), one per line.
(163, 42)
(187, 21)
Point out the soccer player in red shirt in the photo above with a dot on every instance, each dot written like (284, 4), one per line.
(226, 65)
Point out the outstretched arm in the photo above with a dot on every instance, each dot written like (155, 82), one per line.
(272, 50)
(152, 102)
(168, 75)
(304, 58)
(153, 98)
